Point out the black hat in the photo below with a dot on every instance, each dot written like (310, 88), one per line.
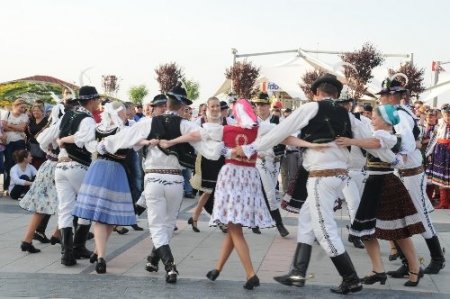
(389, 86)
(288, 110)
(223, 105)
(87, 93)
(159, 100)
(262, 98)
(327, 78)
(179, 93)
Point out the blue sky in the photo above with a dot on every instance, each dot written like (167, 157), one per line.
(130, 38)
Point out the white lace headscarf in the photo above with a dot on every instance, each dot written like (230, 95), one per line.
(110, 116)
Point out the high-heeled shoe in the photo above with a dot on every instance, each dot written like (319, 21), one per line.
(54, 240)
(193, 222)
(410, 283)
(213, 274)
(41, 237)
(93, 258)
(376, 277)
(393, 256)
(256, 230)
(252, 282)
(223, 227)
(101, 266)
(25, 246)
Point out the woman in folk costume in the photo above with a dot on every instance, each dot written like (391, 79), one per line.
(206, 171)
(104, 196)
(439, 151)
(238, 199)
(42, 198)
(389, 214)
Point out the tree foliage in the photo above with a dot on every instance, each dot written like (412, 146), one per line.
(364, 60)
(243, 75)
(307, 80)
(415, 77)
(168, 75)
(137, 94)
(30, 91)
(192, 89)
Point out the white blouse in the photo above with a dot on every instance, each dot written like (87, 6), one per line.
(16, 172)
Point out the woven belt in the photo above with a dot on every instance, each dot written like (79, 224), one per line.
(164, 171)
(328, 172)
(64, 159)
(410, 171)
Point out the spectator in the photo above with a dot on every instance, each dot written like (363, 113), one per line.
(22, 174)
(14, 124)
(201, 110)
(138, 115)
(131, 112)
(38, 122)
(367, 110)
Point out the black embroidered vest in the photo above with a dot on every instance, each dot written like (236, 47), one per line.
(70, 123)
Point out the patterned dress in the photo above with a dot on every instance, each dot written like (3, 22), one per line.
(238, 196)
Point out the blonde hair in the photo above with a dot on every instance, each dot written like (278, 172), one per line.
(18, 102)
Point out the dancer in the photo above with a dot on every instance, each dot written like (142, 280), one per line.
(76, 142)
(389, 214)
(42, 199)
(320, 122)
(104, 196)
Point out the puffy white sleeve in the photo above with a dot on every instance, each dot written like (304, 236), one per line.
(405, 129)
(48, 137)
(210, 146)
(128, 137)
(85, 136)
(385, 153)
(387, 140)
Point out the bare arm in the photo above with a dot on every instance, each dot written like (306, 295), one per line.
(189, 137)
(67, 139)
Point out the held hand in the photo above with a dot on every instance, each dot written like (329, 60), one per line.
(59, 142)
(237, 152)
(343, 141)
(163, 143)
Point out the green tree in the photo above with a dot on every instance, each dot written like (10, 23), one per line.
(192, 89)
(137, 94)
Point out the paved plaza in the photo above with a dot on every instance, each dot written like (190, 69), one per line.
(42, 276)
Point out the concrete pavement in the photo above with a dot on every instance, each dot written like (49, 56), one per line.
(42, 276)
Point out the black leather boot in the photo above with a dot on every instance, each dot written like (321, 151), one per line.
(153, 261)
(166, 256)
(296, 276)
(350, 280)
(402, 271)
(79, 242)
(67, 258)
(276, 216)
(437, 256)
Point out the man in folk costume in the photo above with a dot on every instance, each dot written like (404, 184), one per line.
(163, 189)
(77, 142)
(412, 175)
(357, 162)
(268, 163)
(320, 122)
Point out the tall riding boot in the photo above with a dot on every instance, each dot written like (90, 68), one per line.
(297, 273)
(276, 216)
(166, 256)
(67, 258)
(350, 279)
(79, 242)
(153, 261)
(437, 256)
(402, 271)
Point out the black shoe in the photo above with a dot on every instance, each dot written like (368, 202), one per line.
(137, 227)
(410, 283)
(376, 277)
(256, 230)
(393, 256)
(434, 266)
(348, 285)
(401, 272)
(193, 222)
(121, 230)
(175, 228)
(282, 230)
(291, 279)
(252, 282)
(153, 261)
(151, 267)
(437, 256)
(82, 252)
(101, 266)
(29, 247)
(41, 237)
(171, 274)
(67, 258)
(54, 240)
(213, 274)
(93, 258)
(356, 241)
